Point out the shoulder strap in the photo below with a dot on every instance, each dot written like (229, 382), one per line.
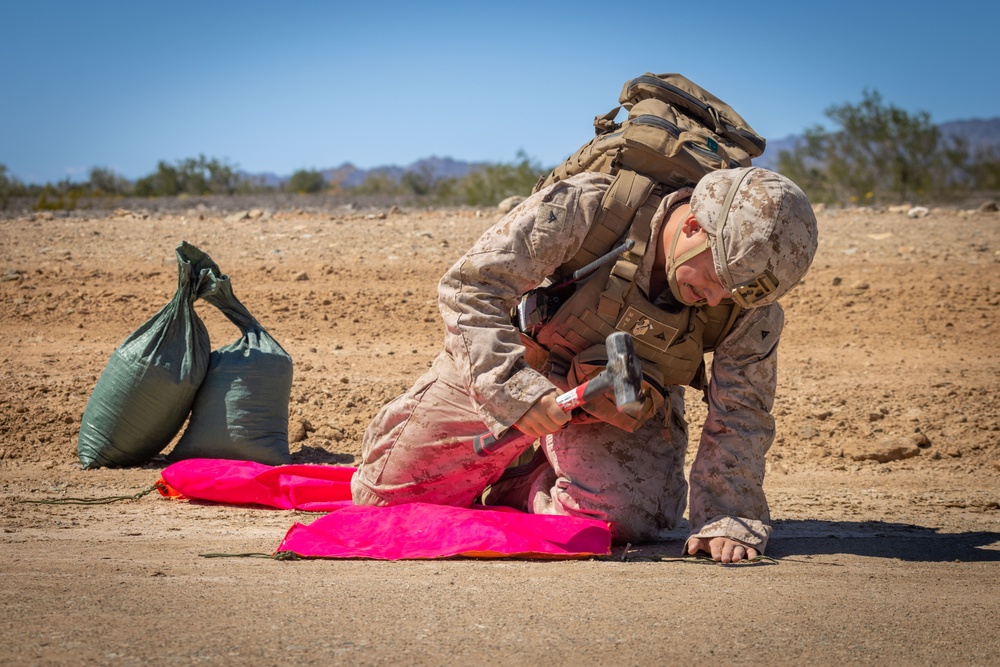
(624, 198)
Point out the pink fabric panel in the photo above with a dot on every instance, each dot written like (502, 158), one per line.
(312, 488)
(408, 531)
(421, 530)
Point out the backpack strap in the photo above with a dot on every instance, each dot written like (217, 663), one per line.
(623, 273)
(620, 204)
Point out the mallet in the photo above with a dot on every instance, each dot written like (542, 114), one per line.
(623, 374)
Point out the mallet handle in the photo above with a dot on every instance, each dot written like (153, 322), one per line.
(487, 443)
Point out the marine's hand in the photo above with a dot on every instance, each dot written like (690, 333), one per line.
(543, 417)
(722, 549)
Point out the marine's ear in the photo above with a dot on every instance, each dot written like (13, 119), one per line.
(691, 226)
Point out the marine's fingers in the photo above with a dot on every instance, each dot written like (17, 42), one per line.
(695, 545)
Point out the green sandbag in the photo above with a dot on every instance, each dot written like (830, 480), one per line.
(241, 409)
(145, 393)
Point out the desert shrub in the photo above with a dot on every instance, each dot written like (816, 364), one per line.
(104, 181)
(880, 154)
(192, 176)
(9, 187)
(490, 184)
(64, 195)
(419, 181)
(379, 183)
(983, 170)
(306, 181)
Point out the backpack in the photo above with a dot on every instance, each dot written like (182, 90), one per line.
(675, 133)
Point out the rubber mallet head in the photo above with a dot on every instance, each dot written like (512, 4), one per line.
(625, 370)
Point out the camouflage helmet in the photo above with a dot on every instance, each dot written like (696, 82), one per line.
(761, 229)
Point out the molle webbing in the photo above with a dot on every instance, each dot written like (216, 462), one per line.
(721, 320)
(675, 133)
(671, 345)
(624, 200)
(640, 233)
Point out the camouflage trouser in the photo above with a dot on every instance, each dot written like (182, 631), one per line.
(419, 449)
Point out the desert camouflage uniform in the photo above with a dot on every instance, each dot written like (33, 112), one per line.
(418, 448)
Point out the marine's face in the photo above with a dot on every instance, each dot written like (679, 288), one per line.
(698, 281)
(696, 277)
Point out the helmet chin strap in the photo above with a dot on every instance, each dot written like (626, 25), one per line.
(677, 261)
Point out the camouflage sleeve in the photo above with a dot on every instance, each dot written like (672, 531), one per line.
(727, 495)
(476, 295)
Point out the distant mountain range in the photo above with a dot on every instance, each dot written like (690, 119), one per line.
(978, 132)
(348, 175)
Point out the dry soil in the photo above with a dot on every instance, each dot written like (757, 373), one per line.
(883, 480)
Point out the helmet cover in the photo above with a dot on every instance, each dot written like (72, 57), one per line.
(761, 229)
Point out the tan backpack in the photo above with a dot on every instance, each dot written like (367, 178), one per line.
(675, 133)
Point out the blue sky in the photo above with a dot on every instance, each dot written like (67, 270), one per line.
(277, 87)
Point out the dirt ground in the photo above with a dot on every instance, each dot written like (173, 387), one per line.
(884, 480)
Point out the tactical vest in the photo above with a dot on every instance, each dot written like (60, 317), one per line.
(671, 345)
(675, 133)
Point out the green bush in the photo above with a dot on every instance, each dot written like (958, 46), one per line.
(192, 176)
(64, 195)
(9, 187)
(420, 182)
(983, 170)
(104, 181)
(884, 154)
(379, 183)
(491, 184)
(306, 181)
